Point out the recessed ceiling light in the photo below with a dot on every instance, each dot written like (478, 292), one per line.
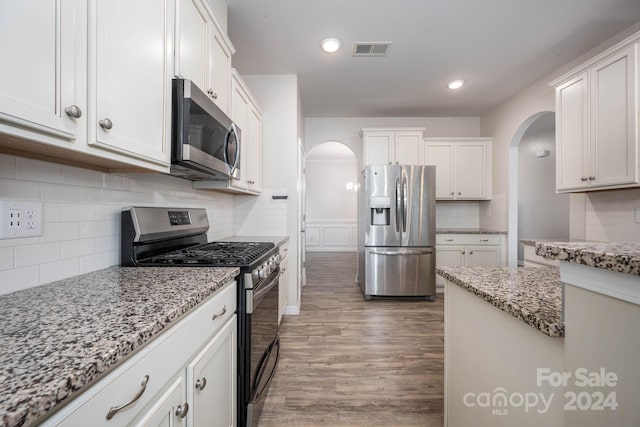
(330, 44)
(456, 84)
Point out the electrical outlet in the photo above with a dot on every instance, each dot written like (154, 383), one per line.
(20, 219)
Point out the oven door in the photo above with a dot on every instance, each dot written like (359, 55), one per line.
(262, 319)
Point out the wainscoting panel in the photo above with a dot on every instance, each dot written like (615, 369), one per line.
(331, 235)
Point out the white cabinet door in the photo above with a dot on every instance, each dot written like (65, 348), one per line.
(441, 156)
(378, 148)
(613, 120)
(167, 410)
(572, 161)
(283, 286)
(211, 381)
(193, 58)
(408, 148)
(253, 149)
(42, 49)
(449, 256)
(479, 256)
(239, 103)
(220, 71)
(470, 171)
(130, 85)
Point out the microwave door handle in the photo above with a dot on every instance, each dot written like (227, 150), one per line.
(232, 130)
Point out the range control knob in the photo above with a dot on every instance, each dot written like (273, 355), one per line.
(262, 273)
(255, 274)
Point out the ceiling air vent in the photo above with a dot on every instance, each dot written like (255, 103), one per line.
(371, 49)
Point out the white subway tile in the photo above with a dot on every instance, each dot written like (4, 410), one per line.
(37, 254)
(95, 229)
(79, 176)
(96, 262)
(59, 231)
(90, 195)
(78, 248)
(52, 271)
(106, 244)
(11, 189)
(60, 193)
(52, 212)
(7, 166)
(108, 213)
(36, 170)
(110, 181)
(18, 279)
(6, 258)
(78, 213)
(10, 243)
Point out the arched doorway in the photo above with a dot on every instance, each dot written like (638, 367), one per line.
(535, 210)
(331, 175)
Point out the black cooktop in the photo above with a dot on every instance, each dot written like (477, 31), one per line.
(218, 254)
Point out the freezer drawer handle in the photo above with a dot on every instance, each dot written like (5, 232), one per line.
(418, 252)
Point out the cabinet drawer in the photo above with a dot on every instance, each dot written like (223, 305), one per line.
(284, 249)
(467, 239)
(158, 362)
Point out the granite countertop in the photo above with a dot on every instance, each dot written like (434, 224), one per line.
(58, 338)
(276, 240)
(531, 294)
(469, 231)
(619, 257)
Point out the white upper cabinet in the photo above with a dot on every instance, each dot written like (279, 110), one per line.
(203, 52)
(130, 77)
(463, 167)
(42, 85)
(392, 146)
(596, 122)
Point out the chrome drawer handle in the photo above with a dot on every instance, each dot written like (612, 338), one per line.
(201, 384)
(182, 410)
(115, 409)
(484, 240)
(224, 310)
(448, 240)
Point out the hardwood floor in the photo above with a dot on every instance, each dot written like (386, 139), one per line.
(349, 362)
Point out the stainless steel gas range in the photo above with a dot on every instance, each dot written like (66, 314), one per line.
(175, 237)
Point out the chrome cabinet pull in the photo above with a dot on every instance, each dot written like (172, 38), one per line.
(463, 252)
(182, 410)
(224, 310)
(591, 178)
(459, 193)
(105, 124)
(484, 240)
(201, 384)
(584, 178)
(470, 252)
(73, 111)
(251, 181)
(214, 96)
(448, 240)
(115, 409)
(452, 193)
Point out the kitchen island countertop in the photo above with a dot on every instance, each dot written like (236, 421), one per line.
(59, 338)
(612, 256)
(531, 294)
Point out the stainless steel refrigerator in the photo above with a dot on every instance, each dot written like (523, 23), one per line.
(396, 231)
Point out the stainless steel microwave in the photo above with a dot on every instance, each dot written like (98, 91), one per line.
(205, 143)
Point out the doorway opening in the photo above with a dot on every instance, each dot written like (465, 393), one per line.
(535, 210)
(331, 177)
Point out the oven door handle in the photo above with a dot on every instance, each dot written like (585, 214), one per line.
(255, 295)
(273, 372)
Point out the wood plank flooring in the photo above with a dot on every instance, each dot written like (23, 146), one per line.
(349, 362)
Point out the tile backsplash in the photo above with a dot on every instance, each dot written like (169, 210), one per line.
(610, 216)
(81, 217)
(457, 215)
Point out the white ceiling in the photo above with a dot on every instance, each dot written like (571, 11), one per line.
(498, 46)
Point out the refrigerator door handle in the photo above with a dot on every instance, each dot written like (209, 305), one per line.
(404, 204)
(398, 203)
(405, 252)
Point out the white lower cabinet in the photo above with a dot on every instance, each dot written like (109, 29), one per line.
(469, 250)
(211, 381)
(284, 280)
(167, 411)
(186, 376)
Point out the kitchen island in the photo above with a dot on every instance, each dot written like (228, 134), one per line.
(501, 326)
(60, 339)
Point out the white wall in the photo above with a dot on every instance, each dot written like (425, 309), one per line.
(279, 99)
(542, 213)
(81, 217)
(327, 198)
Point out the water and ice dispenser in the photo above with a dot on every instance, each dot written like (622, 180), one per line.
(380, 210)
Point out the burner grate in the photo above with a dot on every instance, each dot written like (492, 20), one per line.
(216, 254)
